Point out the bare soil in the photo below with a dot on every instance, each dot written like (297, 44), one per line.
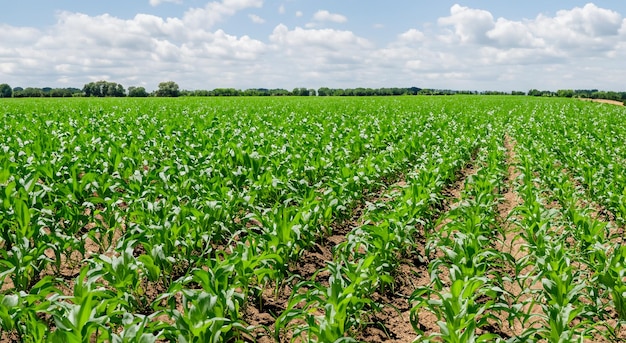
(605, 101)
(514, 244)
(427, 321)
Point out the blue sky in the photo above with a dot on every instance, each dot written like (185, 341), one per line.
(481, 45)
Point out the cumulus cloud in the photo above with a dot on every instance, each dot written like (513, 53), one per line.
(470, 25)
(324, 15)
(147, 48)
(215, 12)
(319, 54)
(328, 38)
(412, 35)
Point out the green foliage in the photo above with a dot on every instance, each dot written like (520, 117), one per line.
(5, 91)
(168, 89)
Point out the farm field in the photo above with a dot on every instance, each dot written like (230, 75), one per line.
(388, 219)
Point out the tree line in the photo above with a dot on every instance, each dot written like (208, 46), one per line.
(91, 89)
(171, 89)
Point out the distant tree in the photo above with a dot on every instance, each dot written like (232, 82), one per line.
(534, 92)
(226, 92)
(312, 92)
(201, 92)
(324, 91)
(256, 92)
(104, 88)
(137, 92)
(279, 92)
(31, 92)
(301, 91)
(168, 89)
(565, 93)
(60, 93)
(6, 91)
(413, 90)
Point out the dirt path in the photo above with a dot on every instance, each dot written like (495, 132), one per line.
(605, 101)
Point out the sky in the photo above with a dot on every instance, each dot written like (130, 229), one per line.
(199, 44)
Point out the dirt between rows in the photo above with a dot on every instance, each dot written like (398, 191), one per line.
(514, 244)
(392, 323)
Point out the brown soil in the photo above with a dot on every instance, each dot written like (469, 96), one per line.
(605, 101)
(514, 244)
(393, 324)
(427, 321)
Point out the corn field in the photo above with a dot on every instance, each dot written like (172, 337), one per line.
(395, 219)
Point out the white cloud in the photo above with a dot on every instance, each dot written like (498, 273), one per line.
(281, 9)
(470, 25)
(509, 33)
(412, 35)
(144, 49)
(320, 56)
(256, 19)
(321, 37)
(324, 15)
(158, 2)
(299, 14)
(215, 12)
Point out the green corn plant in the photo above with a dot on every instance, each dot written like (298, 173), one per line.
(613, 279)
(329, 312)
(125, 275)
(23, 263)
(211, 314)
(88, 314)
(21, 313)
(459, 311)
(81, 322)
(588, 231)
(465, 256)
(135, 330)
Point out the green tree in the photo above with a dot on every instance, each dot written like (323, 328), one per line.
(168, 89)
(324, 91)
(6, 91)
(565, 93)
(137, 92)
(104, 88)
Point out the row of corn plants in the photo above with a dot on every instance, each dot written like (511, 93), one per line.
(581, 263)
(465, 292)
